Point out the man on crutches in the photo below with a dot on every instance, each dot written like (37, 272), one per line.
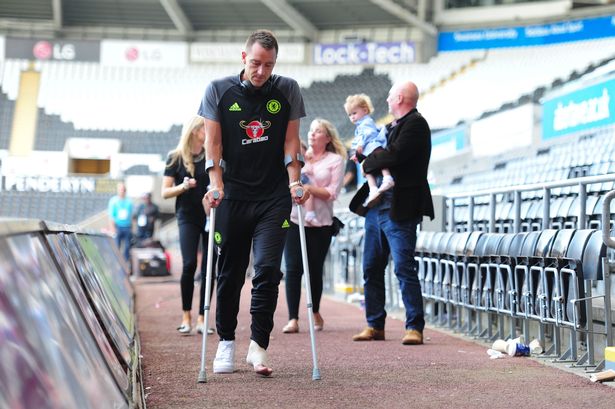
(252, 120)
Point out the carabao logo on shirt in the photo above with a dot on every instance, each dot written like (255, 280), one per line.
(254, 131)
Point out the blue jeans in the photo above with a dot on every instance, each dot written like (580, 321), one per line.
(384, 236)
(124, 234)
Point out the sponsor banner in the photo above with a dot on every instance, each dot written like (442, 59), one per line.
(48, 184)
(231, 52)
(448, 143)
(399, 52)
(91, 148)
(107, 186)
(54, 50)
(37, 163)
(579, 110)
(503, 131)
(521, 36)
(144, 53)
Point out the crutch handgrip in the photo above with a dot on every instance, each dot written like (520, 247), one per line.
(216, 195)
(299, 192)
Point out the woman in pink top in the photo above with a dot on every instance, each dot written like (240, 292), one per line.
(324, 167)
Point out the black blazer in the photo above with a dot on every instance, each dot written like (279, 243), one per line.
(407, 157)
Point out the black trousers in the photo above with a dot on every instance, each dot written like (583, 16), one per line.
(317, 241)
(240, 226)
(189, 238)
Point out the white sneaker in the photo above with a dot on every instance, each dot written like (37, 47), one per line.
(257, 357)
(225, 357)
(386, 184)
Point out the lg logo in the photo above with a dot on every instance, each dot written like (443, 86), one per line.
(44, 50)
(143, 53)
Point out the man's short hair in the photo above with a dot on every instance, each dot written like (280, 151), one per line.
(265, 38)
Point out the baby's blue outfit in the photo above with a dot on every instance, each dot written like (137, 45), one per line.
(368, 135)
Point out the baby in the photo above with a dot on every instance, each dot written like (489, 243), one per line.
(367, 139)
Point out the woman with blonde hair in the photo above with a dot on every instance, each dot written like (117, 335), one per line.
(185, 178)
(324, 166)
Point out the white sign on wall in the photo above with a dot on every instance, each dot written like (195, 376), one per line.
(92, 148)
(49, 184)
(503, 131)
(399, 52)
(144, 53)
(37, 163)
(231, 52)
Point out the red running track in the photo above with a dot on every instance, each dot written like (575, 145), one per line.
(447, 371)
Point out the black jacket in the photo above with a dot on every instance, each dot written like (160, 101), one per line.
(407, 157)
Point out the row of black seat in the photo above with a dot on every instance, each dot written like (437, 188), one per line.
(529, 276)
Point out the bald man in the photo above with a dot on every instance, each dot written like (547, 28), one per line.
(390, 226)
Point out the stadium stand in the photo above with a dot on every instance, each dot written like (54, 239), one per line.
(54, 207)
(439, 69)
(326, 99)
(445, 77)
(526, 70)
(7, 107)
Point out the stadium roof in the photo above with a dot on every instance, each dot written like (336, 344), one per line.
(202, 19)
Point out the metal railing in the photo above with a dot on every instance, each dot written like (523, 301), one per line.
(516, 191)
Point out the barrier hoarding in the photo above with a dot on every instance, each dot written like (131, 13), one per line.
(222, 52)
(399, 52)
(579, 110)
(59, 244)
(51, 49)
(144, 53)
(521, 36)
(49, 359)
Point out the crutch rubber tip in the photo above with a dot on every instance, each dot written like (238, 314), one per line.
(202, 377)
(316, 374)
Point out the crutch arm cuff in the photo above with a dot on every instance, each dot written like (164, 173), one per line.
(288, 159)
(209, 163)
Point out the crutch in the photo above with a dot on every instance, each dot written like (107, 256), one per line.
(306, 275)
(210, 258)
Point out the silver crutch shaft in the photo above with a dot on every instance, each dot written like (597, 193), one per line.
(210, 255)
(308, 288)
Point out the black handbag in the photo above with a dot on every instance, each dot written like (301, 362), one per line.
(356, 203)
(336, 226)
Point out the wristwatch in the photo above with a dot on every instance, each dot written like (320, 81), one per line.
(295, 183)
